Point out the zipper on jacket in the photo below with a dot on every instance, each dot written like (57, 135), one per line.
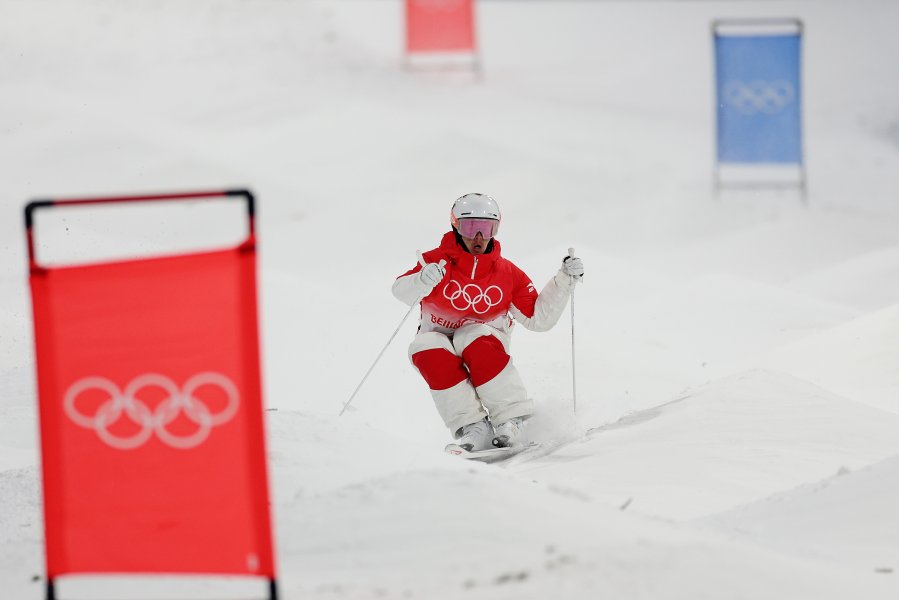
(474, 267)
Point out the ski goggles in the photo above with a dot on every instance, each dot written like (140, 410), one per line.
(471, 227)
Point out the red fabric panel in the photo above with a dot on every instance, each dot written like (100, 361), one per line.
(152, 438)
(485, 358)
(439, 25)
(441, 368)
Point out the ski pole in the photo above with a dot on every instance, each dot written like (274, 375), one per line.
(573, 362)
(421, 261)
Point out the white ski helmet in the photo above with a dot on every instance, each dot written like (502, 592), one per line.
(475, 206)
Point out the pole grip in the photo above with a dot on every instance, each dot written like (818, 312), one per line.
(423, 263)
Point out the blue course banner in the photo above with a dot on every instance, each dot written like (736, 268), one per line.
(758, 98)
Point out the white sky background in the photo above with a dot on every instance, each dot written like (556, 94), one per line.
(773, 326)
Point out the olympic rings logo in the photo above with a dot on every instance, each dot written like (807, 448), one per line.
(768, 97)
(472, 296)
(126, 404)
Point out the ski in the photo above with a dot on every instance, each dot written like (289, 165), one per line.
(488, 455)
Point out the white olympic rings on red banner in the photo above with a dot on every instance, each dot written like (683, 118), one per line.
(769, 97)
(472, 296)
(175, 402)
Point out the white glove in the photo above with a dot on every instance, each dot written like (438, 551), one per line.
(573, 267)
(430, 275)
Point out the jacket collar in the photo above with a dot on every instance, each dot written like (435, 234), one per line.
(463, 260)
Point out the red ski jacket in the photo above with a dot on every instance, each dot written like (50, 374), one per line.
(484, 288)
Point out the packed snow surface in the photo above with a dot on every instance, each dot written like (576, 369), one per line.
(736, 432)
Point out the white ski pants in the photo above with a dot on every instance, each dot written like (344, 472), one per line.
(471, 375)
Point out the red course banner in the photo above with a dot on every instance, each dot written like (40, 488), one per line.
(440, 26)
(151, 415)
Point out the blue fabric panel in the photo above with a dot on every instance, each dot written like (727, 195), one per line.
(759, 98)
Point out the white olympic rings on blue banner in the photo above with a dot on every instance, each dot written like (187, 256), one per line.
(473, 297)
(174, 403)
(768, 97)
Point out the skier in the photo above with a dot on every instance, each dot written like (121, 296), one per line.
(469, 297)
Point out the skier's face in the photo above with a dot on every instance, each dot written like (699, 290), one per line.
(475, 245)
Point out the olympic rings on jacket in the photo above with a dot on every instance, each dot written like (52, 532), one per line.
(156, 420)
(473, 297)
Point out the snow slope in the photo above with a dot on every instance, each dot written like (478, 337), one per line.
(736, 430)
(812, 519)
(728, 443)
(858, 359)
